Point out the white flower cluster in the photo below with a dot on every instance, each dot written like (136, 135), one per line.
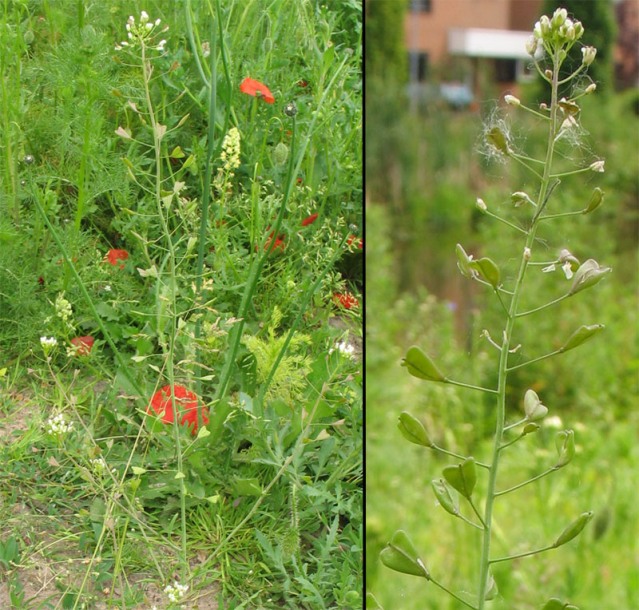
(343, 348)
(176, 591)
(58, 425)
(48, 342)
(142, 33)
(100, 466)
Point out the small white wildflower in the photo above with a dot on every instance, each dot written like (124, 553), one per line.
(598, 166)
(511, 100)
(176, 591)
(206, 49)
(58, 425)
(48, 342)
(107, 288)
(567, 269)
(144, 16)
(590, 88)
(481, 205)
(527, 254)
(549, 269)
(344, 348)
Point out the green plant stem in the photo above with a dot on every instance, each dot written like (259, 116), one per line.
(503, 359)
(456, 455)
(538, 359)
(506, 222)
(525, 554)
(469, 386)
(147, 72)
(528, 481)
(452, 594)
(542, 307)
(562, 215)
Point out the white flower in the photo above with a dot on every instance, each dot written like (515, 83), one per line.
(58, 425)
(481, 205)
(549, 269)
(598, 166)
(589, 54)
(343, 348)
(48, 342)
(176, 591)
(512, 100)
(527, 254)
(567, 270)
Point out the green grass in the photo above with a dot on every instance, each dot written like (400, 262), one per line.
(266, 509)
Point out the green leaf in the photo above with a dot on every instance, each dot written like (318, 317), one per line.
(462, 477)
(400, 555)
(421, 366)
(574, 529)
(413, 430)
(488, 270)
(447, 498)
(581, 335)
(247, 487)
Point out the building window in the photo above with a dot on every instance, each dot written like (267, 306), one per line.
(420, 6)
(418, 66)
(505, 70)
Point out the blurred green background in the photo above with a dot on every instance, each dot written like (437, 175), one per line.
(424, 171)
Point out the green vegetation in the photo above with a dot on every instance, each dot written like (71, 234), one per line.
(180, 269)
(435, 180)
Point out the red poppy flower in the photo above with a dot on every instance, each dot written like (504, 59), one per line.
(279, 244)
(359, 242)
(83, 345)
(257, 89)
(346, 300)
(186, 403)
(309, 220)
(113, 256)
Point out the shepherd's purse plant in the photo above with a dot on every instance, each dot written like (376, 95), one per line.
(552, 39)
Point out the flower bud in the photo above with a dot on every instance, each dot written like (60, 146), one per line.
(527, 254)
(545, 25)
(519, 197)
(589, 54)
(548, 74)
(579, 30)
(481, 206)
(28, 159)
(559, 17)
(290, 109)
(598, 166)
(537, 34)
(511, 100)
(565, 256)
(531, 46)
(590, 88)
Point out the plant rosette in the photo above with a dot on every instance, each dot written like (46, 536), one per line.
(186, 403)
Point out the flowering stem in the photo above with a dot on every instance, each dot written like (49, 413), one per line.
(544, 191)
(525, 554)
